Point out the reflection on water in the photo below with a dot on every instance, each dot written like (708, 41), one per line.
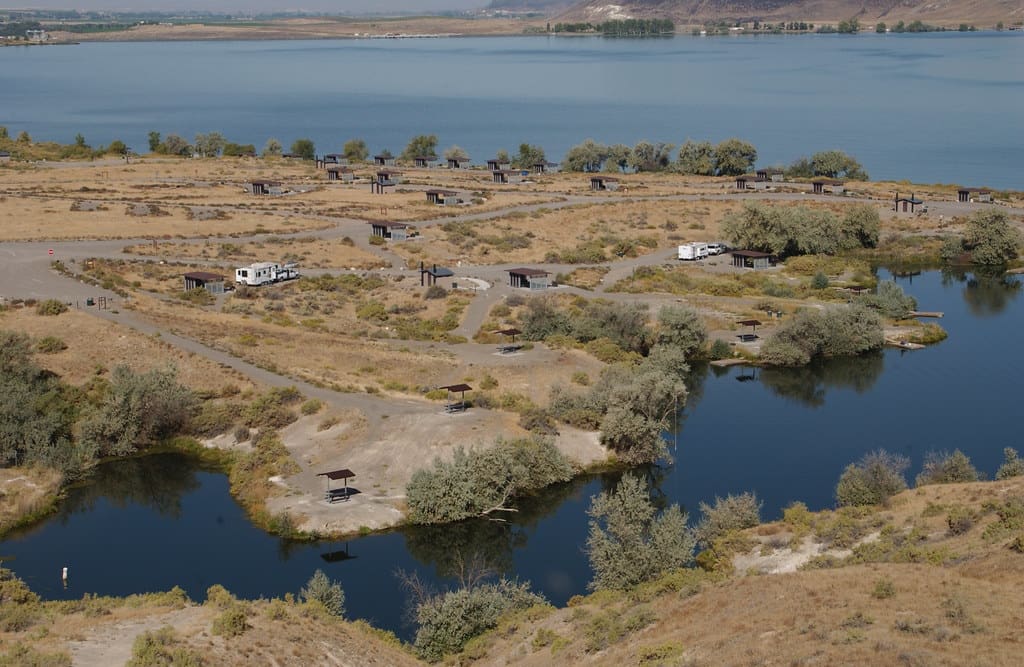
(987, 291)
(808, 384)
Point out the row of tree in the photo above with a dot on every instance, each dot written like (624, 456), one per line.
(620, 27)
(797, 230)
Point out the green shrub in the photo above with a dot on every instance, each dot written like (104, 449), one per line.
(435, 292)
(728, 514)
(51, 307)
(873, 480)
(311, 407)
(484, 480)
(157, 649)
(890, 300)
(448, 620)
(231, 622)
(20, 655)
(326, 592)
(51, 345)
(884, 588)
(720, 349)
(797, 515)
(819, 281)
(946, 468)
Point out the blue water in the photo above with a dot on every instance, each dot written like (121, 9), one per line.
(153, 523)
(924, 107)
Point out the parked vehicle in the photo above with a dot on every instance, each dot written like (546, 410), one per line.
(693, 251)
(263, 273)
(716, 248)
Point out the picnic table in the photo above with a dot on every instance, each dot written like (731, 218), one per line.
(509, 348)
(747, 338)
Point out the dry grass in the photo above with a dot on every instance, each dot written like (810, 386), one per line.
(25, 492)
(95, 345)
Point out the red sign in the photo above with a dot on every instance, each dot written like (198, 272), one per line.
(50, 251)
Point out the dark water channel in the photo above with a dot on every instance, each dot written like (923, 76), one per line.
(152, 523)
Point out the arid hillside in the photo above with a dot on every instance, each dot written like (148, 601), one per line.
(981, 13)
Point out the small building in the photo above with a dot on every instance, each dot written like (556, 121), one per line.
(331, 158)
(423, 161)
(211, 282)
(604, 183)
(529, 278)
(458, 162)
(263, 187)
(963, 195)
(772, 174)
(5, 157)
(291, 156)
(340, 173)
(752, 182)
(429, 275)
(442, 197)
(386, 178)
(37, 35)
(750, 259)
(496, 164)
(386, 229)
(505, 176)
(384, 160)
(545, 167)
(907, 204)
(822, 185)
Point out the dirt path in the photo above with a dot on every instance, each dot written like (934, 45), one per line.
(111, 644)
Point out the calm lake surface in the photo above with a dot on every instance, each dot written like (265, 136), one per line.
(939, 107)
(156, 522)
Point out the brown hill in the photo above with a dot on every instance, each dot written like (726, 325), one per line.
(981, 13)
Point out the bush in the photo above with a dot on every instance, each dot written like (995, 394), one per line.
(139, 409)
(448, 620)
(1012, 466)
(890, 300)
(819, 281)
(231, 622)
(629, 542)
(720, 349)
(311, 407)
(873, 480)
(946, 468)
(990, 238)
(51, 307)
(435, 292)
(484, 480)
(727, 515)
(157, 649)
(51, 345)
(884, 588)
(326, 592)
(832, 332)
(682, 327)
(959, 520)
(20, 655)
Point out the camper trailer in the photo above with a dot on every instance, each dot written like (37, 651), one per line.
(693, 251)
(263, 273)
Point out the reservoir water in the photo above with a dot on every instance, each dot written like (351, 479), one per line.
(937, 107)
(156, 522)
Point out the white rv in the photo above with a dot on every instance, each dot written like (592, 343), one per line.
(262, 273)
(693, 251)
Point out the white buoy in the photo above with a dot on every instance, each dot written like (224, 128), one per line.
(64, 574)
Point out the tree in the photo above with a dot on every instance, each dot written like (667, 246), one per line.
(175, 145)
(3, 132)
(272, 148)
(617, 158)
(837, 164)
(210, 145)
(502, 156)
(587, 157)
(1013, 465)
(990, 238)
(697, 159)
(629, 542)
(734, 157)
(833, 332)
(646, 156)
(860, 226)
(890, 300)
(24, 138)
(683, 328)
(880, 28)
(231, 149)
(80, 141)
(423, 145)
(304, 148)
(528, 156)
(355, 150)
(455, 153)
(328, 593)
(154, 141)
(874, 479)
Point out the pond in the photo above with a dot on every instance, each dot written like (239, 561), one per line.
(151, 523)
